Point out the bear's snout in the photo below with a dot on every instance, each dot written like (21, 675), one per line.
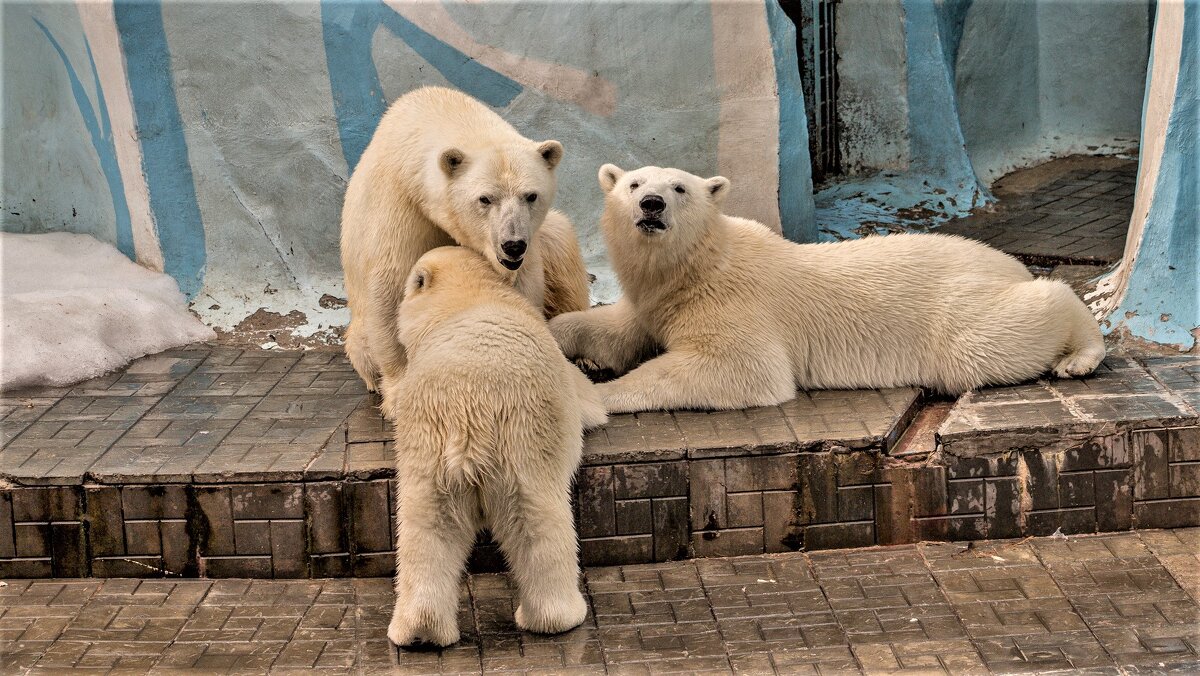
(514, 248)
(653, 205)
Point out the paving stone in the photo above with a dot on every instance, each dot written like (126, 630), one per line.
(1001, 607)
(1179, 551)
(1069, 219)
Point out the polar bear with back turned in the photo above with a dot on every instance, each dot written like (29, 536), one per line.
(489, 420)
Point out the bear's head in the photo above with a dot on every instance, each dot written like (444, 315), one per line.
(498, 197)
(654, 204)
(443, 282)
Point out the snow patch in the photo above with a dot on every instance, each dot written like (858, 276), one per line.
(74, 308)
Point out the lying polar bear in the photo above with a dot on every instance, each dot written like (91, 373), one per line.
(489, 423)
(743, 316)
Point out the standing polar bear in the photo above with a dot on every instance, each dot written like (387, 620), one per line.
(444, 169)
(743, 316)
(491, 435)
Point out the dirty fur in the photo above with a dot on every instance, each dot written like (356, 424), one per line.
(418, 186)
(744, 316)
(490, 436)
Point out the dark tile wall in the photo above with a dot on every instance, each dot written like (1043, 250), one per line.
(628, 512)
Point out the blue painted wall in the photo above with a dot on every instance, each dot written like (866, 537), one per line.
(250, 118)
(1161, 299)
(57, 163)
(166, 163)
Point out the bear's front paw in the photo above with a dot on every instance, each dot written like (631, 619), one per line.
(552, 618)
(416, 635)
(595, 372)
(619, 400)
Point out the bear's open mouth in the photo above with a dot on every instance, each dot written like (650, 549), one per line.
(651, 225)
(511, 265)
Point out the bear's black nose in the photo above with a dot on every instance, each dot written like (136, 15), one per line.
(514, 248)
(653, 204)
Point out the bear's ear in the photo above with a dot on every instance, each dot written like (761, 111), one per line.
(418, 280)
(718, 188)
(551, 152)
(609, 175)
(451, 161)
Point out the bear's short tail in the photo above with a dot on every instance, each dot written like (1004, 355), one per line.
(465, 459)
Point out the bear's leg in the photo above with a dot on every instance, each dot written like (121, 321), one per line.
(1028, 329)
(385, 293)
(359, 354)
(536, 532)
(434, 538)
(608, 337)
(566, 277)
(686, 378)
(591, 406)
(1085, 343)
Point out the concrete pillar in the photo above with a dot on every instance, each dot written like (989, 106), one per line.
(1154, 293)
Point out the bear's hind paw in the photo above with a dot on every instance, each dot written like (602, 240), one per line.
(421, 635)
(555, 618)
(1077, 364)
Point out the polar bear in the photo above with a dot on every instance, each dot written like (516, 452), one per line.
(489, 418)
(743, 317)
(444, 169)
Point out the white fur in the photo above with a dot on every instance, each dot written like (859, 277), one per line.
(744, 316)
(418, 186)
(489, 423)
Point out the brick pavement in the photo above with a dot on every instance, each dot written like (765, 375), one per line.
(1118, 603)
(1078, 216)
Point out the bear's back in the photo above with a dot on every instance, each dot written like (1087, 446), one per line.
(503, 350)
(442, 116)
(490, 376)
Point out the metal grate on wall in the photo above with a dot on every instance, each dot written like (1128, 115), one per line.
(822, 63)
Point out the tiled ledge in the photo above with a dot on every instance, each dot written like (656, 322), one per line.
(214, 462)
(1124, 394)
(814, 421)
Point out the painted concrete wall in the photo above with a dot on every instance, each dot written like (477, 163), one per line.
(873, 93)
(910, 164)
(1154, 293)
(1059, 78)
(229, 130)
(59, 163)
(941, 98)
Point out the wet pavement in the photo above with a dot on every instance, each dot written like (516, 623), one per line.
(1070, 211)
(1115, 603)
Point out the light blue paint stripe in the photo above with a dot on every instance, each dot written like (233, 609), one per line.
(1162, 300)
(164, 149)
(347, 29)
(933, 126)
(102, 140)
(796, 209)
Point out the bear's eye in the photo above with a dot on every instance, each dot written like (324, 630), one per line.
(633, 186)
(531, 197)
(679, 189)
(484, 201)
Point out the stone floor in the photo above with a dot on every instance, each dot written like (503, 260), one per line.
(1120, 603)
(1074, 210)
